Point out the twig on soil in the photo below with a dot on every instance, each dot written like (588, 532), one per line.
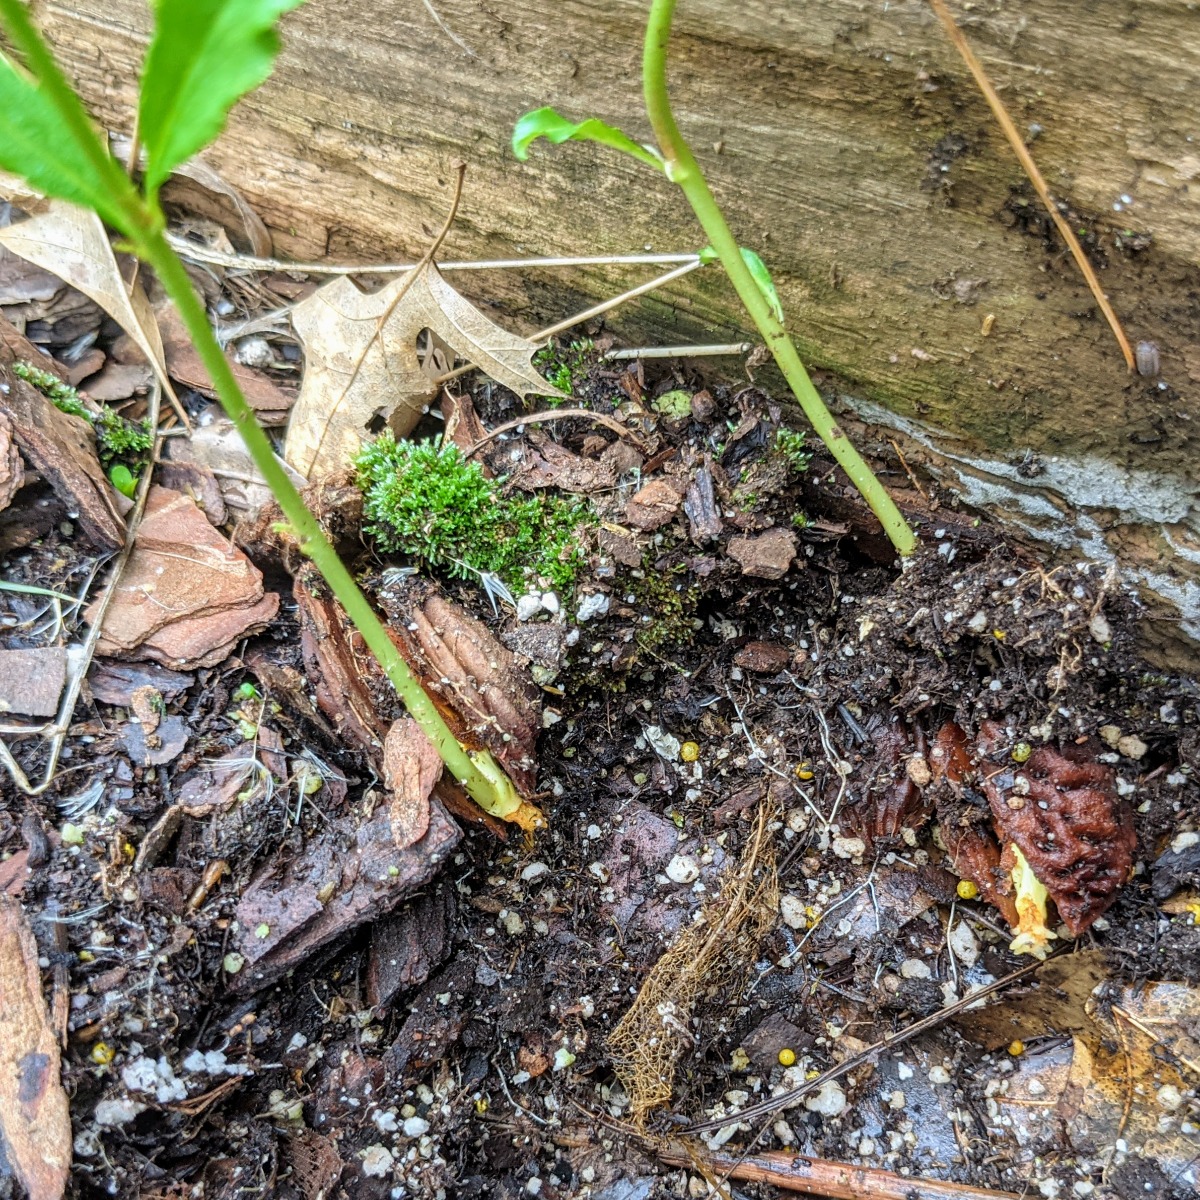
(544, 335)
(1035, 176)
(249, 262)
(552, 414)
(823, 1177)
(767, 1108)
(907, 469)
(714, 351)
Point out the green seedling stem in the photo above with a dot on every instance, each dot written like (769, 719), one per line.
(141, 221)
(682, 169)
(312, 540)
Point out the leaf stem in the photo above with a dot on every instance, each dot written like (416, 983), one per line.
(682, 168)
(499, 800)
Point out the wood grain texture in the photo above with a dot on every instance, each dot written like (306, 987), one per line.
(855, 155)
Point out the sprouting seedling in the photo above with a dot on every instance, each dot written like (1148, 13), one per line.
(204, 56)
(748, 275)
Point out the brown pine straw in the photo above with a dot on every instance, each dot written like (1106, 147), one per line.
(709, 957)
(1035, 176)
(821, 1176)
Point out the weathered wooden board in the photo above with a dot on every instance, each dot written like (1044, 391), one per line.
(851, 150)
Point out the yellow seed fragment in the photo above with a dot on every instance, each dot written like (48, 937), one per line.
(1016, 1047)
(787, 1057)
(967, 889)
(999, 634)
(689, 751)
(103, 1054)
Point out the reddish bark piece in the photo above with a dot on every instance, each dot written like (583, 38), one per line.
(208, 639)
(767, 556)
(411, 768)
(462, 426)
(1062, 812)
(115, 682)
(889, 799)
(186, 596)
(974, 854)
(31, 681)
(409, 945)
(338, 665)
(59, 447)
(488, 701)
(653, 506)
(352, 872)
(765, 658)
(700, 506)
(12, 472)
(35, 1123)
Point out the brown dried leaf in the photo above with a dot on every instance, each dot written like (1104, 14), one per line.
(34, 1117)
(887, 800)
(361, 356)
(411, 768)
(256, 238)
(72, 242)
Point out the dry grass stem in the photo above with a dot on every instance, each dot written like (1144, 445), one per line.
(1035, 176)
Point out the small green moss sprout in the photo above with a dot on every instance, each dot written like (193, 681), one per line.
(117, 439)
(792, 444)
(563, 365)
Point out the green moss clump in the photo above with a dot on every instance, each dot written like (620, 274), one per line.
(425, 500)
(563, 366)
(117, 439)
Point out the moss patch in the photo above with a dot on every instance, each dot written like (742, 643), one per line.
(425, 500)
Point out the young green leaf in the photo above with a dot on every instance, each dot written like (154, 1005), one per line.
(545, 122)
(122, 478)
(758, 269)
(36, 144)
(206, 55)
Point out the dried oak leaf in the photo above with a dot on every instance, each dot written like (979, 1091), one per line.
(1062, 811)
(361, 355)
(889, 798)
(73, 243)
(35, 1124)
